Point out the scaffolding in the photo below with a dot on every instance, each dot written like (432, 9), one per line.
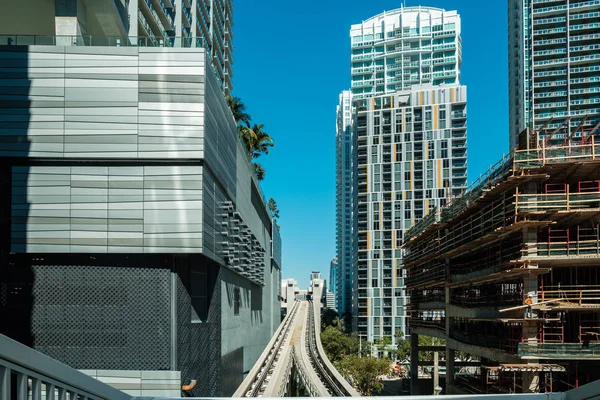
(531, 226)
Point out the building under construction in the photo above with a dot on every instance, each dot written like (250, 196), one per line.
(528, 229)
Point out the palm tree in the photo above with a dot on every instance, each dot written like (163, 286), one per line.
(256, 141)
(273, 207)
(259, 171)
(248, 138)
(260, 142)
(238, 108)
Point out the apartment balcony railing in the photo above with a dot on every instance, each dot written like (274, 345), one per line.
(85, 40)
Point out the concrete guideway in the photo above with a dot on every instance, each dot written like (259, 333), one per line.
(264, 367)
(296, 343)
(336, 385)
(306, 366)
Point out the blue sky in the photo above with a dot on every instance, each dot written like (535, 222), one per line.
(292, 58)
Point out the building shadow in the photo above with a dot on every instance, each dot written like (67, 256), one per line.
(16, 280)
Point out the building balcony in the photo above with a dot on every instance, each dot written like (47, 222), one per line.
(163, 13)
(549, 10)
(584, 59)
(152, 19)
(546, 42)
(586, 5)
(542, 95)
(552, 83)
(578, 38)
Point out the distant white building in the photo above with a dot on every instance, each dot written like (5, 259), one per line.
(330, 300)
(289, 292)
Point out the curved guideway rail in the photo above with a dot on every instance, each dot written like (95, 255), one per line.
(297, 342)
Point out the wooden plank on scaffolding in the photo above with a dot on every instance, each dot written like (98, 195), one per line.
(529, 305)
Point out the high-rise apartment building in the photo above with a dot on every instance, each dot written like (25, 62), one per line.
(409, 46)
(554, 71)
(344, 204)
(153, 23)
(409, 135)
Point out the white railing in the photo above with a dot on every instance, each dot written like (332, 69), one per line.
(28, 374)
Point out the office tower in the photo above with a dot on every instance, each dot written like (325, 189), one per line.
(344, 204)
(554, 76)
(150, 23)
(409, 145)
(134, 238)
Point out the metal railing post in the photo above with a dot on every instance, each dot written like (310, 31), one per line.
(21, 386)
(4, 382)
(50, 391)
(36, 389)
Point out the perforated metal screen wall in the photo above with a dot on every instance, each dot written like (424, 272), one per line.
(100, 317)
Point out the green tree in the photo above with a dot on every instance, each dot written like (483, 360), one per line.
(255, 139)
(238, 109)
(384, 345)
(402, 347)
(429, 341)
(336, 344)
(259, 171)
(273, 207)
(364, 372)
(330, 318)
(347, 318)
(260, 141)
(274, 210)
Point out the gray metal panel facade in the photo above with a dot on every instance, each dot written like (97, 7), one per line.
(101, 102)
(107, 209)
(108, 153)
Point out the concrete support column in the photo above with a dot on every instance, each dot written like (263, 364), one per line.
(194, 18)
(530, 241)
(178, 22)
(450, 356)
(133, 22)
(66, 22)
(414, 364)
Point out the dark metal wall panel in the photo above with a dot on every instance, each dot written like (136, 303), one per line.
(199, 344)
(232, 367)
(102, 317)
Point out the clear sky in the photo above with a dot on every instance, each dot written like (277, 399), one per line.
(291, 60)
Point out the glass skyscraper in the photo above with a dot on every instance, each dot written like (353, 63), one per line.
(554, 67)
(409, 148)
(344, 239)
